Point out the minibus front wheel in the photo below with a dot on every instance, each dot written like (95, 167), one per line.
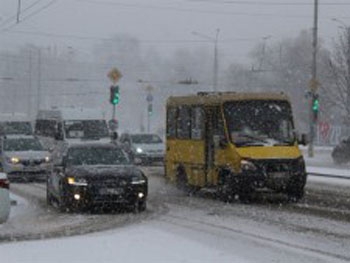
(227, 187)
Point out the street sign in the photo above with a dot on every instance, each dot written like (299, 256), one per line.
(149, 97)
(114, 75)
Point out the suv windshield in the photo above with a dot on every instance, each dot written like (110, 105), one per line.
(21, 144)
(259, 122)
(146, 138)
(96, 156)
(86, 129)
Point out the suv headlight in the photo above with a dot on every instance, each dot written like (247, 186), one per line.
(47, 159)
(247, 165)
(77, 181)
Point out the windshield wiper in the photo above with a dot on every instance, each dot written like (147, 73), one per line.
(251, 137)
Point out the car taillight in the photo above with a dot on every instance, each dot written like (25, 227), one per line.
(4, 183)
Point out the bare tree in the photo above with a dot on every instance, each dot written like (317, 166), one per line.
(338, 91)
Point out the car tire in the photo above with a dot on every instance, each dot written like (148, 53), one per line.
(62, 203)
(140, 206)
(49, 197)
(295, 195)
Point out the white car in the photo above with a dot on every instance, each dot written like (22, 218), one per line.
(24, 158)
(5, 203)
(145, 148)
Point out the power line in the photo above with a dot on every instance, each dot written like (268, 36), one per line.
(13, 17)
(272, 3)
(189, 10)
(31, 14)
(144, 41)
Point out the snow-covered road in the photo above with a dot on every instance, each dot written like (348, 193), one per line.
(178, 228)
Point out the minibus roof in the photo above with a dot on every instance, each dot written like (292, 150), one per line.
(214, 98)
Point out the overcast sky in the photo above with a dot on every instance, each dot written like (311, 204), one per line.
(167, 24)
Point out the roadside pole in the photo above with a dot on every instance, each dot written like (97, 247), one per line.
(313, 105)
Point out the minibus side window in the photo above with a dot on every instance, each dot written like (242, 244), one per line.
(184, 123)
(197, 121)
(171, 123)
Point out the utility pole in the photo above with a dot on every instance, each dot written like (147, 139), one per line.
(216, 62)
(18, 10)
(313, 84)
(39, 81)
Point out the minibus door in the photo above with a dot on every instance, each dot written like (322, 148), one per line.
(209, 143)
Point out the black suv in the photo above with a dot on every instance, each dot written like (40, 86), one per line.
(91, 175)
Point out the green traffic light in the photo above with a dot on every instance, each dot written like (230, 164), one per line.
(115, 97)
(315, 105)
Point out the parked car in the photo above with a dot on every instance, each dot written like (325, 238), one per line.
(143, 148)
(5, 203)
(24, 158)
(96, 175)
(341, 152)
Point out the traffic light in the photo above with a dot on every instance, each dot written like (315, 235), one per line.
(114, 95)
(150, 109)
(315, 106)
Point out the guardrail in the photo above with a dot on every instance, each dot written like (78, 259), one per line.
(329, 172)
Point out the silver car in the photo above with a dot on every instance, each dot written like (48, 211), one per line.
(143, 148)
(24, 158)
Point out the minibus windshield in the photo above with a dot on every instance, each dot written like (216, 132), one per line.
(259, 122)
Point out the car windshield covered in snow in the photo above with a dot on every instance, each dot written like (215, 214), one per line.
(16, 127)
(96, 155)
(86, 129)
(259, 122)
(146, 138)
(22, 144)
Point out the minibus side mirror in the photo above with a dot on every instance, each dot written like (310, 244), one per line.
(219, 141)
(304, 140)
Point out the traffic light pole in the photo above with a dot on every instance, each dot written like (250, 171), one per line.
(113, 117)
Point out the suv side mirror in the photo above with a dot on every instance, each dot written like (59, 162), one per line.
(114, 136)
(58, 136)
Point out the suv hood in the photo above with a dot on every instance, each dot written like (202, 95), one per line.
(103, 170)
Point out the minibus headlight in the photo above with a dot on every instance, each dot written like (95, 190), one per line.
(247, 165)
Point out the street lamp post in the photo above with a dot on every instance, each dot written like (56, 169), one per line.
(216, 63)
(313, 82)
